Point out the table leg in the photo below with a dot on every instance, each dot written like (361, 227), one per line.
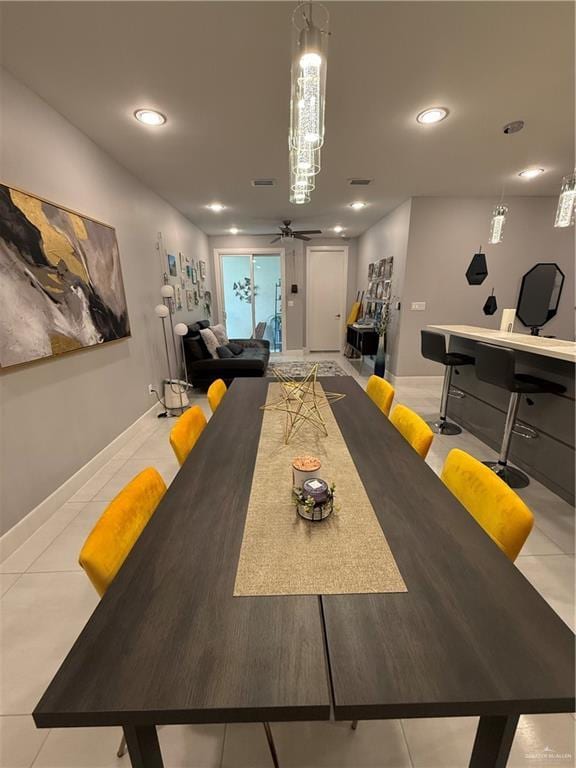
(143, 746)
(493, 741)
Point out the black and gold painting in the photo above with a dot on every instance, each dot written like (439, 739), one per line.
(61, 285)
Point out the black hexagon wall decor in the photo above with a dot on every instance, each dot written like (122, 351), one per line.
(477, 271)
(490, 306)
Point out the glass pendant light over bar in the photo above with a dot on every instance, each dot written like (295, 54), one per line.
(310, 22)
(566, 202)
(497, 224)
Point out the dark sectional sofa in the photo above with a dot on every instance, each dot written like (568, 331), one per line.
(203, 369)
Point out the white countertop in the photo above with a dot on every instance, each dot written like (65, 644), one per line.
(524, 342)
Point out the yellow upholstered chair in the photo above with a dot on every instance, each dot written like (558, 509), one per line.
(110, 541)
(186, 432)
(119, 527)
(216, 392)
(492, 503)
(413, 429)
(380, 392)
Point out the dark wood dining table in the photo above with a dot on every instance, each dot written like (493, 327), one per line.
(169, 643)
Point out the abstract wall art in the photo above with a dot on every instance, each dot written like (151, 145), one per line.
(61, 285)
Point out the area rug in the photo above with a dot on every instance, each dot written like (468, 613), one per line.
(298, 369)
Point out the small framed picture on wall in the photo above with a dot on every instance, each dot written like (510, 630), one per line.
(202, 265)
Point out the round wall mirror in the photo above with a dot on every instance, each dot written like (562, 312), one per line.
(539, 295)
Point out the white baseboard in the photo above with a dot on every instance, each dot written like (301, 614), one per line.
(18, 534)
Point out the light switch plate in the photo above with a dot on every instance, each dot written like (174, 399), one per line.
(419, 306)
(290, 303)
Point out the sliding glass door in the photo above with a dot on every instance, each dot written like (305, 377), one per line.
(251, 295)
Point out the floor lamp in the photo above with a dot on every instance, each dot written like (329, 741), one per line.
(162, 311)
(181, 329)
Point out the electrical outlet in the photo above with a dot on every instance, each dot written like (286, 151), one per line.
(151, 389)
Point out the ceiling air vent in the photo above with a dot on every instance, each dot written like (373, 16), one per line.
(360, 182)
(263, 182)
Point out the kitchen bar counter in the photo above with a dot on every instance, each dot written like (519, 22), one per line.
(536, 345)
(549, 456)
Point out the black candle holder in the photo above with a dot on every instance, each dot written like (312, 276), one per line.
(315, 500)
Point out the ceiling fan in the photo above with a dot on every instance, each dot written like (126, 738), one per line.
(299, 234)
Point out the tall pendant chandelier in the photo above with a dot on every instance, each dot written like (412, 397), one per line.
(310, 30)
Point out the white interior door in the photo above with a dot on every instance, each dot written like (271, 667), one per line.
(326, 298)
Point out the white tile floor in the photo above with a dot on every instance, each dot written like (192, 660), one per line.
(46, 600)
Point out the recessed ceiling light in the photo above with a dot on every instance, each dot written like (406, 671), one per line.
(150, 117)
(432, 115)
(357, 205)
(234, 230)
(216, 207)
(338, 228)
(531, 173)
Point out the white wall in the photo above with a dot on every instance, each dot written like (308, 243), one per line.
(389, 237)
(56, 414)
(295, 273)
(444, 235)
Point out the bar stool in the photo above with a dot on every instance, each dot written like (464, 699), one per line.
(497, 366)
(434, 348)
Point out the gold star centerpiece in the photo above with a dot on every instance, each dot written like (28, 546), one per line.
(302, 402)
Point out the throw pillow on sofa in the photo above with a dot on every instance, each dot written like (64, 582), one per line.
(224, 353)
(234, 348)
(196, 348)
(210, 340)
(220, 332)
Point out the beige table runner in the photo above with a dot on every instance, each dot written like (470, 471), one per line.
(283, 554)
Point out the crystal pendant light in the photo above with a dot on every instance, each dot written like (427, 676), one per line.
(309, 49)
(304, 161)
(310, 22)
(566, 202)
(497, 223)
(299, 197)
(302, 183)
